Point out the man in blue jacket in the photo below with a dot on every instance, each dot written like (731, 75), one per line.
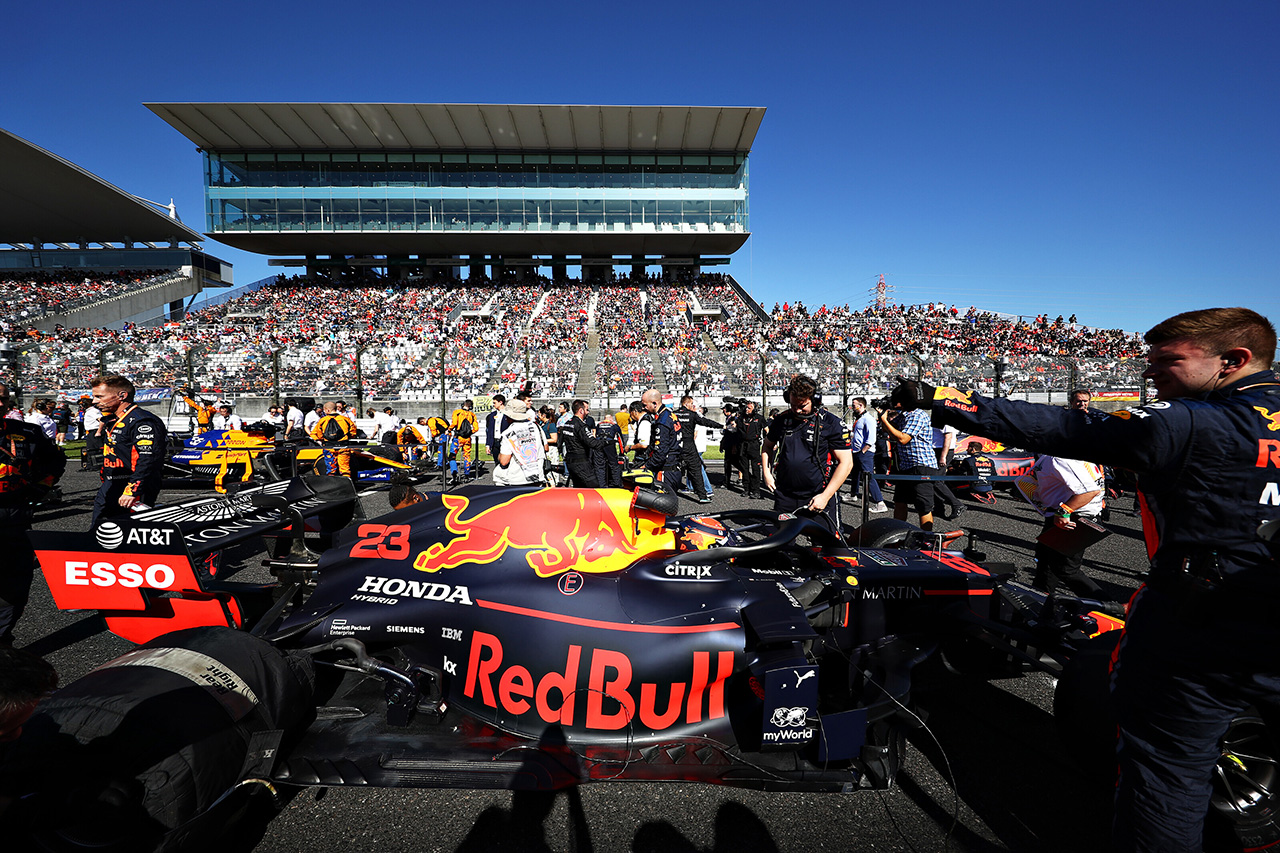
(1202, 635)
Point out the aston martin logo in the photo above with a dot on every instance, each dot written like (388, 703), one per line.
(214, 508)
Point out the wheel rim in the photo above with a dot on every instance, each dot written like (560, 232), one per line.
(1245, 776)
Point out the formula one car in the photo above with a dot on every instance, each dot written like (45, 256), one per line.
(226, 456)
(502, 638)
(991, 463)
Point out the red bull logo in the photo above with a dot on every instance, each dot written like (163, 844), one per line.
(954, 398)
(559, 529)
(1272, 418)
(554, 695)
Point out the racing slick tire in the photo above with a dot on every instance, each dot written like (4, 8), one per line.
(1245, 803)
(883, 533)
(167, 747)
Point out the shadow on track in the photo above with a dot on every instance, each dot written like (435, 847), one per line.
(82, 629)
(1010, 769)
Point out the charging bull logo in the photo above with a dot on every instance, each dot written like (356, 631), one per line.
(1273, 419)
(559, 529)
(954, 398)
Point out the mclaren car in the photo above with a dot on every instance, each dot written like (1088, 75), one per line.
(229, 458)
(502, 638)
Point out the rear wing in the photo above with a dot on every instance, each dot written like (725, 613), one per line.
(159, 570)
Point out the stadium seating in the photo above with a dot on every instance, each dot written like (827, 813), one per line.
(609, 339)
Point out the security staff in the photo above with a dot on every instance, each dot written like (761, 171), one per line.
(29, 466)
(1200, 643)
(133, 451)
(751, 429)
(660, 454)
(333, 431)
(576, 443)
(807, 441)
(688, 420)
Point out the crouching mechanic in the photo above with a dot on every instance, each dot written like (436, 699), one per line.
(813, 455)
(1200, 642)
(133, 452)
(29, 466)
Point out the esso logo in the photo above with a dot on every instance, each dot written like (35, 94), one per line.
(133, 575)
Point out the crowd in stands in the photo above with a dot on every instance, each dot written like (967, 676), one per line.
(28, 296)
(494, 337)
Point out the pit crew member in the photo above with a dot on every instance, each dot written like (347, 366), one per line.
(576, 442)
(807, 440)
(1199, 645)
(333, 431)
(464, 426)
(132, 453)
(29, 466)
(751, 428)
(202, 410)
(660, 453)
(690, 464)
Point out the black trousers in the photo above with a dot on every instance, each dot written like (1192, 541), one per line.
(691, 470)
(749, 464)
(1054, 566)
(612, 473)
(16, 571)
(582, 474)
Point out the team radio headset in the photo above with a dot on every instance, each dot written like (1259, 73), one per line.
(809, 423)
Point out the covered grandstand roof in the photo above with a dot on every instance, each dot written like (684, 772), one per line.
(48, 199)
(426, 127)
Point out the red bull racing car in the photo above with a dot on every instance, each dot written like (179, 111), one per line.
(500, 638)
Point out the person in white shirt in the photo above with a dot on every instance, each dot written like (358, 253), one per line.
(225, 419)
(862, 441)
(312, 418)
(293, 419)
(274, 417)
(1066, 491)
(40, 416)
(522, 450)
(385, 423)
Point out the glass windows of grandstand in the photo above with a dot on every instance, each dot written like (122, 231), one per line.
(472, 191)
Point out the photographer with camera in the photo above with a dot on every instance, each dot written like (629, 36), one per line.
(813, 455)
(912, 434)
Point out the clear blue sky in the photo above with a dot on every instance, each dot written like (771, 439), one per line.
(1116, 159)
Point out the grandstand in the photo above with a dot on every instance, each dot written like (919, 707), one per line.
(387, 311)
(567, 342)
(77, 251)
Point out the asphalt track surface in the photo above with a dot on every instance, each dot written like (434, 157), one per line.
(1000, 780)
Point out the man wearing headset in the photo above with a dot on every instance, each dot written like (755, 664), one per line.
(811, 446)
(1201, 638)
